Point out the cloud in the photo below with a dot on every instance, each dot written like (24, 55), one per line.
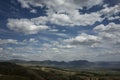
(54, 30)
(114, 18)
(105, 43)
(88, 3)
(33, 11)
(66, 46)
(7, 54)
(27, 3)
(54, 45)
(30, 41)
(25, 26)
(109, 11)
(75, 19)
(110, 35)
(60, 13)
(35, 25)
(8, 41)
(1, 49)
(57, 3)
(111, 30)
(60, 19)
(85, 19)
(83, 39)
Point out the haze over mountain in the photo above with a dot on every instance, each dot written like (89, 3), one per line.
(77, 64)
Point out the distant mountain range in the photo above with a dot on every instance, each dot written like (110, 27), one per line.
(70, 64)
(12, 71)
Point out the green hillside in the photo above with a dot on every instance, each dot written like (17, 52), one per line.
(11, 71)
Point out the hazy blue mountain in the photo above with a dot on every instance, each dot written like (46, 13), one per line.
(71, 64)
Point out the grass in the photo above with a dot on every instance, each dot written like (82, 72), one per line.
(11, 71)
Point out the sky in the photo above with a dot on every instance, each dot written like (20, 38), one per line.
(60, 30)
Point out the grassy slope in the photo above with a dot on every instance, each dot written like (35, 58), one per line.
(10, 71)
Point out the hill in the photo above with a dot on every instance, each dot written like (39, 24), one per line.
(71, 64)
(12, 71)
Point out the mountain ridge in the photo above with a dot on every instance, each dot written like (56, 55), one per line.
(70, 64)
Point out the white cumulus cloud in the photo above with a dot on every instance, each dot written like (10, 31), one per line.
(83, 39)
(25, 26)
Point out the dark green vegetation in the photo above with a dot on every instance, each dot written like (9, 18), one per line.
(11, 71)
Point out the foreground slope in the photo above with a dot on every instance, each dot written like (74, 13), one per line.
(11, 71)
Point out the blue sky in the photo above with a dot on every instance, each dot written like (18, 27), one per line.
(61, 30)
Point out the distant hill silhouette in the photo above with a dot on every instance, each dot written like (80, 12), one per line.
(71, 64)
